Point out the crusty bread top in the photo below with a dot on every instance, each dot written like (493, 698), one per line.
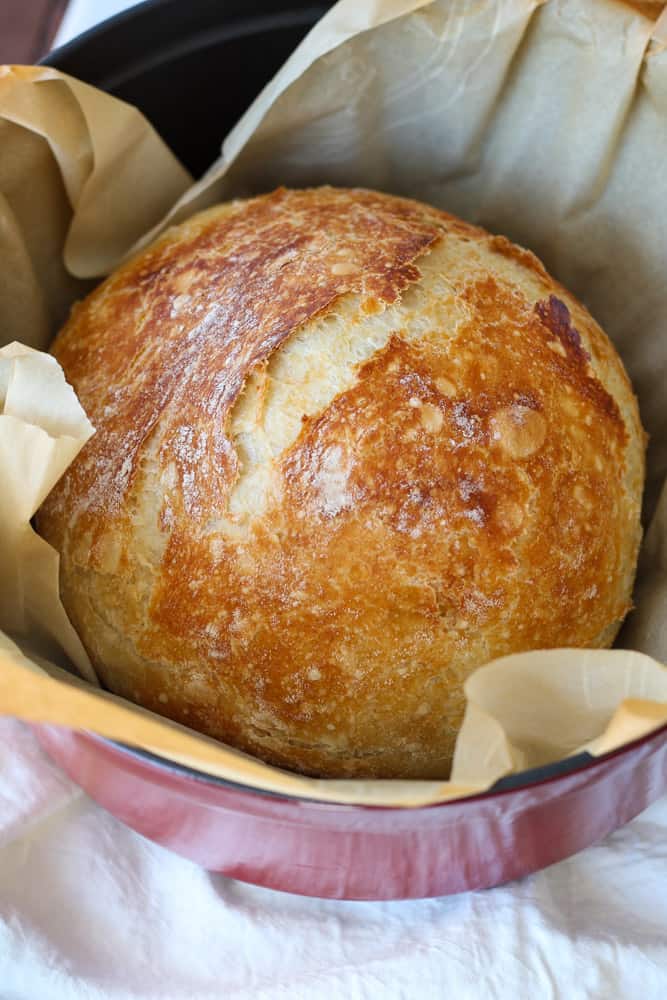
(348, 447)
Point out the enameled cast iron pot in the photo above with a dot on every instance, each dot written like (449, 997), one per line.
(193, 69)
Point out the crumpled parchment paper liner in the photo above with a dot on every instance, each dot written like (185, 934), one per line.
(544, 121)
(580, 691)
(82, 177)
(42, 429)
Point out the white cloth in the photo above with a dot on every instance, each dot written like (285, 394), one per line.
(89, 910)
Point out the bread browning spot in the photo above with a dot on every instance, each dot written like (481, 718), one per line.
(522, 256)
(519, 430)
(556, 317)
(371, 306)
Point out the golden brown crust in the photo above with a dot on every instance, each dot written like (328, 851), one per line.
(472, 491)
(248, 279)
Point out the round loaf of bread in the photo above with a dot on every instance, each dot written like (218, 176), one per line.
(348, 448)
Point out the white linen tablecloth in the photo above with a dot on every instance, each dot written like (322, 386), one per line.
(89, 910)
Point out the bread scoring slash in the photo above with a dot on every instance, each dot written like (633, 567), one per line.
(348, 448)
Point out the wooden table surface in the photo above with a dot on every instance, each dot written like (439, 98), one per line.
(27, 28)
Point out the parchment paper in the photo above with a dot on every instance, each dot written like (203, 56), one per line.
(543, 121)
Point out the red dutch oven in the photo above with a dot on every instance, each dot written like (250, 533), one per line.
(220, 59)
(524, 823)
